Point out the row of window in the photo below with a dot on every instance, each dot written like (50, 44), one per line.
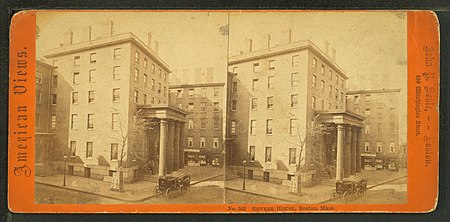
(191, 106)
(202, 143)
(330, 89)
(114, 151)
(268, 154)
(380, 112)
(90, 121)
(392, 128)
(191, 93)
(380, 147)
(137, 57)
(203, 123)
(293, 126)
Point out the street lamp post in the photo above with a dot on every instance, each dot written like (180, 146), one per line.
(65, 164)
(244, 162)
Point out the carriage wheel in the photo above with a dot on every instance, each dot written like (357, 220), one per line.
(183, 189)
(362, 192)
(346, 195)
(168, 193)
(156, 190)
(333, 194)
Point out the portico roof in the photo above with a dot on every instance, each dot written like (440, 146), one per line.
(340, 117)
(162, 112)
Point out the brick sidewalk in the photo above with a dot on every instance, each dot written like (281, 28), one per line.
(134, 192)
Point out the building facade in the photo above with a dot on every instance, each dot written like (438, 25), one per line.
(275, 94)
(114, 91)
(381, 130)
(204, 103)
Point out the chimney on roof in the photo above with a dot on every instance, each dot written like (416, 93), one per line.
(197, 75)
(107, 28)
(209, 75)
(86, 34)
(265, 41)
(327, 47)
(334, 54)
(286, 36)
(149, 40)
(156, 47)
(68, 38)
(248, 45)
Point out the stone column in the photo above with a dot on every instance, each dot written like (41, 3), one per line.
(162, 148)
(340, 153)
(176, 147)
(353, 152)
(182, 143)
(358, 150)
(170, 149)
(347, 157)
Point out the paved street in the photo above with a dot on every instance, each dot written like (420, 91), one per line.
(45, 194)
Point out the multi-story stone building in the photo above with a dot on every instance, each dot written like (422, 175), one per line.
(110, 84)
(205, 104)
(381, 131)
(275, 93)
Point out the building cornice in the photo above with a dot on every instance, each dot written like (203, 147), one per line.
(104, 42)
(195, 85)
(284, 49)
(372, 91)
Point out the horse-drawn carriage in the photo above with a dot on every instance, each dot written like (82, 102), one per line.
(169, 184)
(347, 188)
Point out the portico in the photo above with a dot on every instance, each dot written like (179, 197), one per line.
(170, 121)
(348, 141)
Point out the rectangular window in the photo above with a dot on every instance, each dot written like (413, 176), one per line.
(152, 101)
(114, 151)
(191, 93)
(356, 99)
(233, 105)
(293, 126)
(342, 96)
(203, 123)
(367, 112)
(234, 87)
(313, 102)
(270, 82)
(160, 73)
(269, 127)
(216, 92)
(295, 79)
(53, 99)
(379, 147)
(268, 156)
(314, 79)
(136, 96)
(93, 57)
(203, 93)
(159, 88)
(74, 97)
(322, 105)
(136, 75)
(53, 122)
(254, 104)
(190, 141)
(116, 95)
(76, 60)
(271, 64)
(322, 85)
(216, 142)
(294, 101)
(153, 84)
(153, 68)
(233, 127)
(73, 148)
(392, 147)
(191, 107)
(54, 80)
(145, 99)
(253, 127)
(90, 121)
(330, 88)
(252, 153)
(322, 69)
(203, 106)
(145, 79)
(74, 122)
(117, 53)
(91, 96)
(202, 142)
(256, 67)
(89, 149)
(179, 93)
(270, 102)
(116, 72)
(75, 78)
(367, 127)
(216, 106)
(337, 94)
(292, 154)
(216, 123)
(342, 83)
(367, 146)
(255, 84)
(314, 63)
(55, 63)
(38, 97)
(115, 121)
(295, 60)
(330, 74)
(191, 124)
(38, 78)
(136, 57)
(337, 80)
(145, 62)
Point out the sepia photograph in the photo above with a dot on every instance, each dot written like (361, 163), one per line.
(198, 107)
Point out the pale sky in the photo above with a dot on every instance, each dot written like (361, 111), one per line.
(370, 46)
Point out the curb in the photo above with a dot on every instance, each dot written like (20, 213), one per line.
(261, 195)
(203, 180)
(96, 194)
